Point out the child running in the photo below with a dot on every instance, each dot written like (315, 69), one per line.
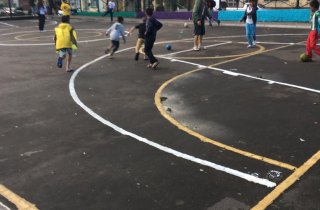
(313, 34)
(250, 18)
(152, 26)
(141, 37)
(65, 39)
(115, 31)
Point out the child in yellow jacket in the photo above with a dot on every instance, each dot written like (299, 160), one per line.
(65, 41)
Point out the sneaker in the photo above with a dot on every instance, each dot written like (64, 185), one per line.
(60, 62)
(250, 46)
(195, 48)
(254, 43)
(136, 57)
(155, 64)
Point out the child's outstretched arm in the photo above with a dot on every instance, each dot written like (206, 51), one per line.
(131, 29)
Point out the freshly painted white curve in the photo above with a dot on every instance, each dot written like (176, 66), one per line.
(176, 153)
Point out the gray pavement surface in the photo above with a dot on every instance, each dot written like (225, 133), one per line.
(57, 156)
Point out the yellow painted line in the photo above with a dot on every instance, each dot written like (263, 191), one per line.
(223, 56)
(206, 139)
(200, 58)
(20, 203)
(266, 201)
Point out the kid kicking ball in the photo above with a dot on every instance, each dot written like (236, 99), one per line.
(168, 47)
(304, 57)
(185, 25)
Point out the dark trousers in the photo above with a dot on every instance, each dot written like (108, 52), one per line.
(109, 11)
(148, 45)
(42, 21)
(116, 45)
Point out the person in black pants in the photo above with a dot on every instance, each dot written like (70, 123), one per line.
(42, 10)
(110, 5)
(152, 26)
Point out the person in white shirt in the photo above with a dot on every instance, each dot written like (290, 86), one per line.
(42, 10)
(250, 18)
(109, 10)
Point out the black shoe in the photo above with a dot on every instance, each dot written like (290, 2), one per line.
(136, 57)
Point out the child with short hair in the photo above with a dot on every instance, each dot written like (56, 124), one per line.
(115, 31)
(141, 37)
(311, 44)
(65, 40)
(152, 26)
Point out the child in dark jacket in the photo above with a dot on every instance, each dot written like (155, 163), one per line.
(152, 26)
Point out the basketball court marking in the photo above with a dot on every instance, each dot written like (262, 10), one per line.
(188, 50)
(16, 199)
(214, 142)
(7, 24)
(276, 192)
(213, 57)
(298, 172)
(21, 37)
(3, 207)
(171, 151)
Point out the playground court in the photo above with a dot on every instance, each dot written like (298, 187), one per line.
(223, 128)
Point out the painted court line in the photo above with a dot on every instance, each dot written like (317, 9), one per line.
(176, 153)
(7, 24)
(16, 199)
(4, 207)
(211, 141)
(188, 50)
(266, 201)
(232, 73)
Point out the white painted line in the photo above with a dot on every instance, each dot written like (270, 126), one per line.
(230, 73)
(4, 207)
(176, 153)
(224, 71)
(7, 24)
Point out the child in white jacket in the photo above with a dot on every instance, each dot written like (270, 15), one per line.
(115, 31)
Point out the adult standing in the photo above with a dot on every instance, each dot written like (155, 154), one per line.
(199, 13)
(109, 10)
(42, 10)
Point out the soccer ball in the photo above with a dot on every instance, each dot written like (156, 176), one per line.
(168, 47)
(185, 25)
(304, 57)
